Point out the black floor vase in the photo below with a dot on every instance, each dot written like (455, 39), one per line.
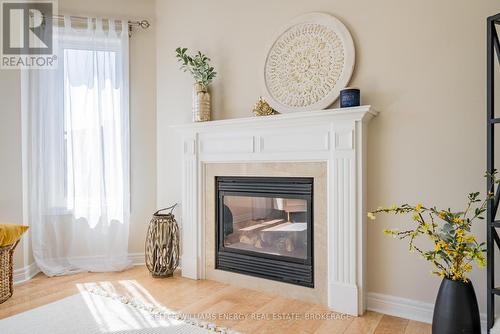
(456, 310)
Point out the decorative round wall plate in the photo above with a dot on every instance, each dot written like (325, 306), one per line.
(308, 64)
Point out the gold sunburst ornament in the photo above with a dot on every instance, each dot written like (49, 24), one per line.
(262, 108)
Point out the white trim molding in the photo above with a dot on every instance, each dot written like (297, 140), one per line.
(399, 307)
(406, 308)
(335, 136)
(26, 273)
(137, 259)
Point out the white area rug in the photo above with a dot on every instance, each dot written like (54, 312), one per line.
(94, 313)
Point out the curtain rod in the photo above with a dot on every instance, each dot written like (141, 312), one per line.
(144, 24)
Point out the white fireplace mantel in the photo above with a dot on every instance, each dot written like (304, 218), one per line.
(336, 136)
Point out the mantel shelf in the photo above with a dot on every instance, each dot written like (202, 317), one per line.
(355, 113)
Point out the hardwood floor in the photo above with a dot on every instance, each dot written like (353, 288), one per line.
(244, 310)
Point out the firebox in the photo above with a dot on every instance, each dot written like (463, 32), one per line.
(264, 227)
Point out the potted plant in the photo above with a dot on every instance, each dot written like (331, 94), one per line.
(203, 74)
(454, 251)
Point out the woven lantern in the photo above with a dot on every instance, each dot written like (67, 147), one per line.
(162, 244)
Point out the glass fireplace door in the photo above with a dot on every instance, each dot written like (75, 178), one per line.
(271, 225)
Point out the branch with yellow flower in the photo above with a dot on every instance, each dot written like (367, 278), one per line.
(455, 247)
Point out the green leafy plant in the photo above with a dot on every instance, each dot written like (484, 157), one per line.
(198, 65)
(455, 248)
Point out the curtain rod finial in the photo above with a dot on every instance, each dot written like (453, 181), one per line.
(144, 24)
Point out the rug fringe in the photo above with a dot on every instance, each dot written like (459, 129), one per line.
(161, 312)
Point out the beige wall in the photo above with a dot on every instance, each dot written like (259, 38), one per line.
(421, 63)
(142, 120)
(11, 195)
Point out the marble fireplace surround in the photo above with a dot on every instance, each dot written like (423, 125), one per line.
(336, 139)
(316, 170)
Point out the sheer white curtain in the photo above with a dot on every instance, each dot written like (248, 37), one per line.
(78, 151)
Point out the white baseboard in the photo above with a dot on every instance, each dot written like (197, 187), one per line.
(406, 308)
(137, 259)
(28, 272)
(399, 307)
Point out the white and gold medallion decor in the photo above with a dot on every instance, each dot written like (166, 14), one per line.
(308, 64)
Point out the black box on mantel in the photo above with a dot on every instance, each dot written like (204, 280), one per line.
(350, 97)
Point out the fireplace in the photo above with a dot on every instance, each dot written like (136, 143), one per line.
(329, 146)
(264, 227)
